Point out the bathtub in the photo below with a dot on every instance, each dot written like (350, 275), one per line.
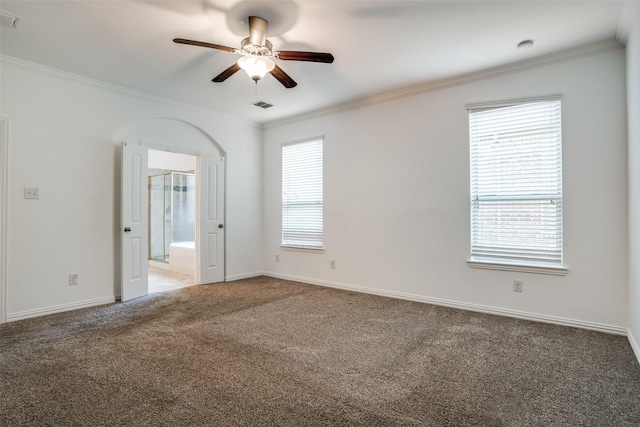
(182, 257)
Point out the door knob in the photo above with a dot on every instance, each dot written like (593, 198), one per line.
(220, 226)
(127, 229)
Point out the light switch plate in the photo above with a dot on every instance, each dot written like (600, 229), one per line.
(517, 286)
(31, 193)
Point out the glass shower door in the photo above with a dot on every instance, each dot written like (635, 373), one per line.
(183, 207)
(172, 212)
(159, 217)
(157, 251)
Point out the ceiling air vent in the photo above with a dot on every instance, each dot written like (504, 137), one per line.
(263, 104)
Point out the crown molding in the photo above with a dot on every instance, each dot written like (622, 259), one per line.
(112, 87)
(529, 64)
(533, 63)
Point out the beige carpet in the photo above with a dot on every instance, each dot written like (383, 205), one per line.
(267, 352)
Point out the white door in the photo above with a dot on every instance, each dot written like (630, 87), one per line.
(210, 258)
(134, 227)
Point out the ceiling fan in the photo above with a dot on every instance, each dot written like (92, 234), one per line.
(257, 51)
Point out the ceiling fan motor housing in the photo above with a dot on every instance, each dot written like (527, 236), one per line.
(248, 48)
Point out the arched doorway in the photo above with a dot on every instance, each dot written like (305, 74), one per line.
(179, 137)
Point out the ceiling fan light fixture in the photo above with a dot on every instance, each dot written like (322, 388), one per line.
(256, 66)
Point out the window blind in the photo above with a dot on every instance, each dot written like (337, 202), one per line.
(302, 165)
(516, 183)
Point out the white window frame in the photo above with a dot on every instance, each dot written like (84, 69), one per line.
(494, 247)
(293, 183)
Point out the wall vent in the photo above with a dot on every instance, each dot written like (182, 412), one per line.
(263, 104)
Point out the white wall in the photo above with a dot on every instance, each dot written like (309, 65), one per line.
(61, 140)
(397, 204)
(172, 161)
(396, 192)
(633, 117)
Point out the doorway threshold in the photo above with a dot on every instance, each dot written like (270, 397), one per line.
(163, 280)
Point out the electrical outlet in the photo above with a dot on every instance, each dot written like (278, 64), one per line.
(333, 265)
(517, 286)
(277, 258)
(31, 193)
(73, 279)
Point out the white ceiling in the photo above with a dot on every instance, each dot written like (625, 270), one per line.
(379, 46)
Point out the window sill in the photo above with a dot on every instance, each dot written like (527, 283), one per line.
(539, 269)
(302, 249)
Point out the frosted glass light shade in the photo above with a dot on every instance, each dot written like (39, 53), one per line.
(256, 66)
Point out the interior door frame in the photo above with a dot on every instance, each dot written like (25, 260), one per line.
(199, 174)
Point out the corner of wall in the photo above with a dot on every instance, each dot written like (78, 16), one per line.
(633, 149)
(4, 163)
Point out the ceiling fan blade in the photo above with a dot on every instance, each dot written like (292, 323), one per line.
(257, 30)
(226, 73)
(205, 44)
(293, 55)
(283, 77)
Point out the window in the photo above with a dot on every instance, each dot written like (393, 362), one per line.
(302, 195)
(516, 185)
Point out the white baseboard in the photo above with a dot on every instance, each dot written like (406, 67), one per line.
(232, 277)
(634, 345)
(58, 308)
(610, 329)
